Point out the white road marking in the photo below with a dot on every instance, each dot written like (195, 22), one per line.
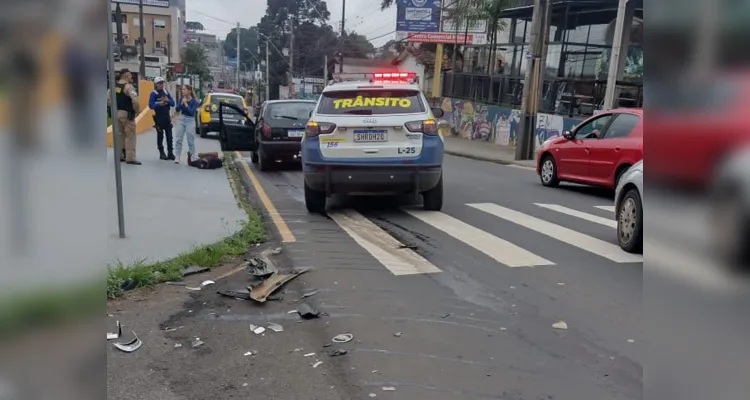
(592, 245)
(606, 208)
(384, 247)
(582, 215)
(501, 250)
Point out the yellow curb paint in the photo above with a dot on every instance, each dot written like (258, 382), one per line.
(281, 226)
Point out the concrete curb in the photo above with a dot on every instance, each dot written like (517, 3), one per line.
(488, 159)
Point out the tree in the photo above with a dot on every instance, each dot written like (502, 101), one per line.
(194, 26)
(249, 55)
(357, 46)
(196, 61)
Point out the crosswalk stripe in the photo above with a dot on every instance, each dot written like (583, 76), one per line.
(582, 215)
(606, 208)
(569, 236)
(399, 259)
(501, 250)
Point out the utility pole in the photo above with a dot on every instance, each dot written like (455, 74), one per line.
(341, 44)
(291, 56)
(532, 81)
(325, 70)
(268, 71)
(614, 59)
(142, 40)
(238, 56)
(115, 127)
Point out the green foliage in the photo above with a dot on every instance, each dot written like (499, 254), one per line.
(194, 26)
(249, 55)
(196, 61)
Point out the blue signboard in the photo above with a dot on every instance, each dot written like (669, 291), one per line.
(418, 15)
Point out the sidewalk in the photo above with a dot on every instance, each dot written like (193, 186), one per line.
(169, 208)
(484, 151)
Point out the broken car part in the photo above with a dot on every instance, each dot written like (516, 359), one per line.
(307, 312)
(343, 338)
(275, 327)
(206, 283)
(130, 346)
(309, 293)
(260, 268)
(116, 335)
(257, 329)
(338, 352)
(192, 270)
(236, 294)
(261, 292)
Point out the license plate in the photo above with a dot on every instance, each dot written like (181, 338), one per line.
(370, 135)
(295, 133)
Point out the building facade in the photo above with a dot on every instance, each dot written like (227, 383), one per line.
(163, 28)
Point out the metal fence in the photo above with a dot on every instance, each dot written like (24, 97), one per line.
(562, 96)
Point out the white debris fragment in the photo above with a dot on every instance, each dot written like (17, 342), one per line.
(512, 287)
(631, 341)
(276, 327)
(177, 345)
(309, 355)
(244, 385)
(503, 329)
(560, 325)
(206, 283)
(257, 329)
(373, 395)
(561, 283)
(317, 364)
(388, 388)
(249, 353)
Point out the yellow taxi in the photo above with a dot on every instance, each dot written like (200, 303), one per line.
(207, 119)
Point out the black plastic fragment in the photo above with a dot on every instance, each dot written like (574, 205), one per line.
(307, 312)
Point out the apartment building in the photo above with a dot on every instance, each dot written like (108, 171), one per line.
(210, 43)
(163, 27)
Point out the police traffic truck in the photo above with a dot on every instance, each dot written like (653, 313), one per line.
(373, 137)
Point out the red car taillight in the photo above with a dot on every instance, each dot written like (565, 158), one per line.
(314, 128)
(266, 130)
(428, 127)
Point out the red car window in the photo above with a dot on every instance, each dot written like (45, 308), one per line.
(622, 126)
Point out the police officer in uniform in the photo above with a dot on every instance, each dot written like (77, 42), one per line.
(128, 107)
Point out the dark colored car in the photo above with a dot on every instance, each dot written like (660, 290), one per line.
(279, 130)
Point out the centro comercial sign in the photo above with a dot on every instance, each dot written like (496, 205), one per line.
(148, 3)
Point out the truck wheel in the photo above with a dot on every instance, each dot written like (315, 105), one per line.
(433, 198)
(315, 201)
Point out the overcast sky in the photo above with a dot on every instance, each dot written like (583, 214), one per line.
(362, 16)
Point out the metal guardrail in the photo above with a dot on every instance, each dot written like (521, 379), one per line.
(562, 96)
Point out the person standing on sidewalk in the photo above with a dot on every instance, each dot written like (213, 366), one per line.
(187, 106)
(161, 102)
(128, 106)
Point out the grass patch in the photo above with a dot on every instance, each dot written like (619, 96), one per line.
(213, 255)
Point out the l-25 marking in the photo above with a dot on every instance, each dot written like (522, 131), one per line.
(407, 150)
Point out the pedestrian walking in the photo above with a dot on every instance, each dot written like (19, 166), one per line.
(187, 106)
(128, 106)
(161, 102)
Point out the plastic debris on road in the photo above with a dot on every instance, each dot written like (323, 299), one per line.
(343, 338)
(560, 325)
(307, 312)
(192, 270)
(257, 329)
(338, 352)
(397, 334)
(388, 388)
(309, 355)
(116, 335)
(309, 293)
(317, 364)
(276, 327)
(130, 346)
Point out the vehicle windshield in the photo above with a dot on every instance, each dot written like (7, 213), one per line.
(227, 99)
(371, 102)
(293, 111)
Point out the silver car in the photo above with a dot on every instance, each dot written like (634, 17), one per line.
(629, 209)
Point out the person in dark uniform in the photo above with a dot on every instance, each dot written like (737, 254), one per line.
(128, 107)
(161, 102)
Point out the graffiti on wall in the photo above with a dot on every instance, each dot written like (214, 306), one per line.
(498, 125)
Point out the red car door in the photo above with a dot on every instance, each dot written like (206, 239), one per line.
(620, 144)
(573, 155)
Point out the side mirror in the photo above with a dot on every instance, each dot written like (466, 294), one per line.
(438, 112)
(568, 135)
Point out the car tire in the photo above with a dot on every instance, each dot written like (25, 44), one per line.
(264, 164)
(432, 200)
(254, 157)
(548, 172)
(630, 222)
(315, 201)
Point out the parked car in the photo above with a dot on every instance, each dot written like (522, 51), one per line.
(279, 131)
(207, 119)
(596, 152)
(629, 209)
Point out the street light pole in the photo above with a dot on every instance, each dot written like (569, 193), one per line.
(142, 70)
(341, 45)
(268, 69)
(238, 56)
(115, 127)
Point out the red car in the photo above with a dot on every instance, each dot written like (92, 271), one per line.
(596, 152)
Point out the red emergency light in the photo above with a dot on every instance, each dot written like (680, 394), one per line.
(394, 77)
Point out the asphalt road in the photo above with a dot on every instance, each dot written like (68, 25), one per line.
(452, 305)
